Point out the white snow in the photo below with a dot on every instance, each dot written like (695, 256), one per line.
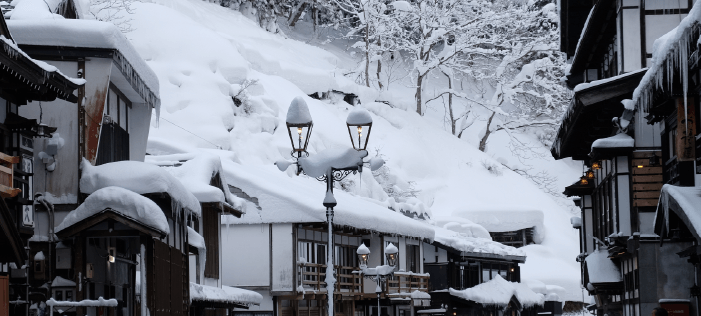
(195, 239)
(595, 83)
(359, 116)
(139, 177)
(61, 282)
(688, 199)
(121, 201)
(461, 225)
(43, 65)
(362, 250)
(84, 303)
(39, 256)
(195, 172)
(468, 244)
(420, 295)
(298, 112)
(601, 269)
(225, 294)
(576, 221)
(498, 291)
(620, 140)
(316, 165)
(497, 219)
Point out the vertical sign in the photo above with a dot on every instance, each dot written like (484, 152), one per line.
(686, 130)
(28, 215)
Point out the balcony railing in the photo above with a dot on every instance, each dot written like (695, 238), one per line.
(7, 176)
(312, 277)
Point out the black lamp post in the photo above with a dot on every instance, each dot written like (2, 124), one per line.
(378, 274)
(299, 127)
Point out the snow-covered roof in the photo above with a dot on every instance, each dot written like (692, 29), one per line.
(121, 201)
(467, 244)
(61, 282)
(139, 177)
(687, 198)
(195, 172)
(596, 83)
(504, 220)
(299, 200)
(621, 140)
(90, 34)
(12, 49)
(195, 239)
(498, 291)
(601, 269)
(461, 225)
(225, 294)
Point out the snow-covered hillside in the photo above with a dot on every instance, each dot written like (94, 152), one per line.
(205, 54)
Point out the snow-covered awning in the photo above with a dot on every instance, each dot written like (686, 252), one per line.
(61, 282)
(226, 295)
(600, 269)
(92, 34)
(477, 246)
(127, 206)
(500, 292)
(197, 172)
(616, 145)
(685, 202)
(285, 199)
(139, 177)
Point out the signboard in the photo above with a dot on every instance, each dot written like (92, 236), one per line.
(28, 215)
(676, 307)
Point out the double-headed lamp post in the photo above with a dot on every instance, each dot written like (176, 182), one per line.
(378, 274)
(329, 165)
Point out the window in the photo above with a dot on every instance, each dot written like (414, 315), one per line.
(114, 135)
(413, 260)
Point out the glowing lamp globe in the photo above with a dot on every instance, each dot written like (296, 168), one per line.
(359, 124)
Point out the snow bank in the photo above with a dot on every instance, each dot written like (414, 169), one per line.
(601, 269)
(195, 172)
(139, 177)
(121, 201)
(225, 294)
(468, 244)
(498, 291)
(621, 140)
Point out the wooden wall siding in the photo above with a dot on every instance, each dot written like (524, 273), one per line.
(4, 295)
(170, 281)
(647, 181)
(114, 144)
(210, 224)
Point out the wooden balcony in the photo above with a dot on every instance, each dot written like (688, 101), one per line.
(7, 189)
(647, 179)
(312, 277)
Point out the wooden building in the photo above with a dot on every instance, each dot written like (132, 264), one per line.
(284, 257)
(624, 155)
(23, 80)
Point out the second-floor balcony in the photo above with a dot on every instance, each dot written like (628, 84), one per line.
(7, 189)
(312, 276)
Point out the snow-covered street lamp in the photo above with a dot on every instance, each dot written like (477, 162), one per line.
(379, 274)
(329, 165)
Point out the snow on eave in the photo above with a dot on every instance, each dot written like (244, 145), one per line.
(139, 177)
(621, 140)
(299, 200)
(225, 294)
(499, 292)
(582, 87)
(688, 199)
(61, 282)
(195, 172)
(584, 30)
(121, 201)
(474, 245)
(601, 269)
(92, 34)
(670, 52)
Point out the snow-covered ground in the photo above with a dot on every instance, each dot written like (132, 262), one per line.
(204, 54)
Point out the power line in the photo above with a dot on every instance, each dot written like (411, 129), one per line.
(215, 145)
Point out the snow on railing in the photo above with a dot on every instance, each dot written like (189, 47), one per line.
(100, 302)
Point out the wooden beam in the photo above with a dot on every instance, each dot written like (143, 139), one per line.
(645, 202)
(647, 170)
(647, 187)
(647, 179)
(646, 195)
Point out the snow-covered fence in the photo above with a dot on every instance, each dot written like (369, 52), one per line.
(100, 302)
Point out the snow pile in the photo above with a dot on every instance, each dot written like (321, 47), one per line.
(225, 294)
(338, 158)
(139, 177)
(468, 244)
(551, 292)
(61, 282)
(496, 219)
(461, 225)
(688, 199)
(195, 172)
(420, 295)
(121, 201)
(39, 256)
(621, 140)
(498, 291)
(601, 269)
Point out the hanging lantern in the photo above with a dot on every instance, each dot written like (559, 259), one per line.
(359, 124)
(299, 125)
(590, 174)
(363, 256)
(391, 254)
(584, 180)
(596, 165)
(654, 159)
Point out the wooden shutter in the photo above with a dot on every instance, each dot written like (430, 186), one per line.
(210, 224)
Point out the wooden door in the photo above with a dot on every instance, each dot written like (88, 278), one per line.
(171, 288)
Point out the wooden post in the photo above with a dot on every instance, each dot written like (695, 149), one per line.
(685, 147)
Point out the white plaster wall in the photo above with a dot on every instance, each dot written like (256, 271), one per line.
(246, 252)
(658, 25)
(623, 197)
(283, 259)
(631, 39)
(139, 123)
(666, 4)
(588, 223)
(647, 135)
(646, 222)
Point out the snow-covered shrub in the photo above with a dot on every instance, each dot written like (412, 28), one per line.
(240, 96)
(492, 167)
